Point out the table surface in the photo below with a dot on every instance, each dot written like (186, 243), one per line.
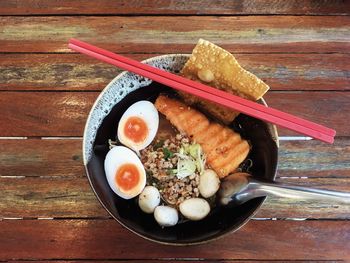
(48, 211)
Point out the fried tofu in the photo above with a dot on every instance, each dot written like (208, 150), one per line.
(216, 67)
(225, 150)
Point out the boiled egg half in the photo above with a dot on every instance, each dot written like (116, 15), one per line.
(125, 172)
(138, 125)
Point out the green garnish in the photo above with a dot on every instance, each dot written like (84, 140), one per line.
(167, 153)
(186, 166)
(195, 151)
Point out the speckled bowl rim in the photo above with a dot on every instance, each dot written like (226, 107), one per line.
(272, 130)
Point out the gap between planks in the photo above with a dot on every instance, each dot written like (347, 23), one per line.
(110, 218)
(167, 14)
(75, 90)
(166, 53)
(282, 138)
(180, 260)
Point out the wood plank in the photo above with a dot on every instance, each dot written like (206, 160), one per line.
(276, 207)
(325, 108)
(77, 239)
(77, 72)
(171, 34)
(34, 157)
(56, 72)
(64, 113)
(227, 7)
(48, 197)
(69, 197)
(314, 158)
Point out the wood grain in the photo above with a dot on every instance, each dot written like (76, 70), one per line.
(69, 197)
(195, 7)
(65, 113)
(75, 72)
(326, 108)
(44, 114)
(79, 239)
(172, 35)
(35, 157)
(48, 197)
(314, 158)
(63, 157)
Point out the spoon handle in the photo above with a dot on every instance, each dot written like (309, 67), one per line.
(258, 188)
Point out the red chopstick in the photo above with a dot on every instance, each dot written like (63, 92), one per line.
(198, 89)
(203, 87)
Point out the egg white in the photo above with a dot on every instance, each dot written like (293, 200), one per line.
(146, 111)
(115, 158)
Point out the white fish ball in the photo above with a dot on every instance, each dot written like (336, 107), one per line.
(149, 199)
(166, 215)
(195, 208)
(209, 183)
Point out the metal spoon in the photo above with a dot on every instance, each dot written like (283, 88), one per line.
(241, 187)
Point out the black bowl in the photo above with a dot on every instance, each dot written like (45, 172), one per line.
(102, 126)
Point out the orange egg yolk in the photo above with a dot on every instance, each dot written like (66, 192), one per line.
(135, 129)
(127, 177)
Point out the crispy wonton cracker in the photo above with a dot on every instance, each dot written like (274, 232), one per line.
(218, 68)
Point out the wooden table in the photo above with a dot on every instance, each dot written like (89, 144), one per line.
(48, 211)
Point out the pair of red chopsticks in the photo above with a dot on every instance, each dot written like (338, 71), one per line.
(208, 93)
